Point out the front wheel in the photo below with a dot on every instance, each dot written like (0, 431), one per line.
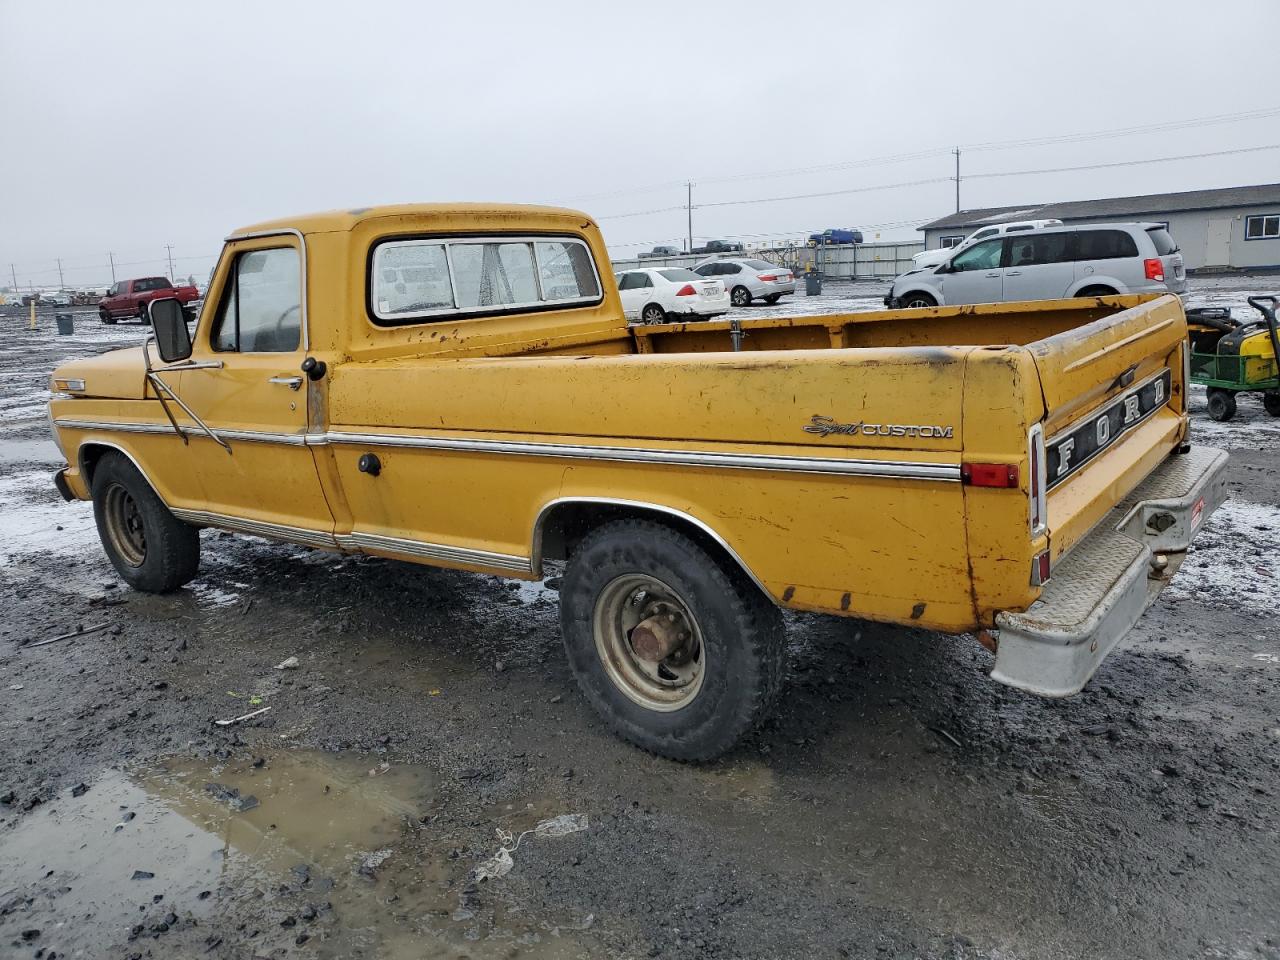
(150, 548)
(916, 300)
(653, 314)
(1222, 404)
(1271, 402)
(740, 297)
(106, 317)
(675, 648)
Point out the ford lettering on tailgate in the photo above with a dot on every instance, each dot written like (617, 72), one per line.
(1072, 449)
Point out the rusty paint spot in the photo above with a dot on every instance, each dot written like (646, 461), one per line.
(988, 640)
(787, 594)
(917, 611)
(844, 601)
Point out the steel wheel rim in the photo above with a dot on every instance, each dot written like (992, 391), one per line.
(124, 525)
(664, 686)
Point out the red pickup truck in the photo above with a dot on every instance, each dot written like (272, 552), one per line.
(129, 298)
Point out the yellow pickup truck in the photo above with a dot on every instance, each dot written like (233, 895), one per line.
(457, 385)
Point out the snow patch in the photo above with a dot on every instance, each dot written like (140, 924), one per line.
(1233, 563)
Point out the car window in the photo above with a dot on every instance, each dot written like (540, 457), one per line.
(981, 234)
(261, 310)
(493, 274)
(677, 275)
(629, 281)
(706, 270)
(1163, 241)
(1025, 226)
(730, 268)
(565, 270)
(1040, 249)
(414, 279)
(1104, 245)
(981, 256)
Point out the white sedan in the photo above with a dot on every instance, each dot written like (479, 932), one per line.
(653, 295)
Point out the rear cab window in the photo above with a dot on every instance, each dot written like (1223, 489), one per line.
(422, 279)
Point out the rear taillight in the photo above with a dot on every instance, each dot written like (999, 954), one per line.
(989, 474)
(686, 291)
(1039, 508)
(1155, 269)
(768, 277)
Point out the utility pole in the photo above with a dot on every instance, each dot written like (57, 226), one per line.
(688, 209)
(112, 258)
(956, 151)
(169, 250)
(14, 273)
(61, 283)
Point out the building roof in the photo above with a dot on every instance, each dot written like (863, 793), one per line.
(521, 215)
(1262, 194)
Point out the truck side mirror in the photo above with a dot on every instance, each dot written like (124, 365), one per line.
(169, 324)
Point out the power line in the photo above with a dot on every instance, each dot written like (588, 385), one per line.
(1123, 163)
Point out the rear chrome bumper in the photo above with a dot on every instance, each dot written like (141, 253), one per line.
(1101, 589)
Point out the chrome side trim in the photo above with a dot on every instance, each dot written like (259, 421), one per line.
(257, 528)
(536, 538)
(252, 436)
(898, 469)
(357, 540)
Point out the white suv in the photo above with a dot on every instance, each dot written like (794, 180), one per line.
(931, 258)
(1088, 260)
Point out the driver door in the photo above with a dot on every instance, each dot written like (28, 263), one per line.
(247, 386)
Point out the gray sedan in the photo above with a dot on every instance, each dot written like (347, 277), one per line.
(747, 280)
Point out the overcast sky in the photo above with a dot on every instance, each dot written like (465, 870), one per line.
(130, 125)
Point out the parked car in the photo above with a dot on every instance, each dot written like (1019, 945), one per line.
(719, 246)
(836, 236)
(748, 279)
(862, 467)
(661, 252)
(1090, 260)
(130, 298)
(931, 258)
(650, 296)
(58, 298)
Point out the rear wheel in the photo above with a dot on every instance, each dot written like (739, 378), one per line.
(106, 317)
(740, 297)
(653, 313)
(150, 548)
(917, 299)
(672, 646)
(1222, 404)
(142, 313)
(1271, 402)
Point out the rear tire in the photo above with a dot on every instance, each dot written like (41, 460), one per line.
(917, 300)
(150, 548)
(721, 678)
(740, 297)
(653, 313)
(773, 298)
(143, 317)
(1222, 404)
(1271, 402)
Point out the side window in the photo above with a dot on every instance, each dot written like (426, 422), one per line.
(730, 268)
(1262, 227)
(261, 309)
(1105, 245)
(705, 270)
(646, 281)
(1040, 249)
(981, 256)
(629, 281)
(983, 234)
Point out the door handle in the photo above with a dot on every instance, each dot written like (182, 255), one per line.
(1014, 273)
(293, 383)
(993, 274)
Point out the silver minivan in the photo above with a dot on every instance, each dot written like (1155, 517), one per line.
(1083, 260)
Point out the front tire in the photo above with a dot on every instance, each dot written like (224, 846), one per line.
(917, 300)
(151, 549)
(652, 314)
(106, 317)
(1222, 404)
(672, 645)
(740, 297)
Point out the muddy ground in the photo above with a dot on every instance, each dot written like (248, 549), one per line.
(900, 804)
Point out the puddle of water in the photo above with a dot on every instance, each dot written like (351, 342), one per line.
(314, 822)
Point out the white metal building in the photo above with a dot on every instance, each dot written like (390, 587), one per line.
(1231, 228)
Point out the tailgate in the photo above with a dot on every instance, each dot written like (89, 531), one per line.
(1115, 408)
